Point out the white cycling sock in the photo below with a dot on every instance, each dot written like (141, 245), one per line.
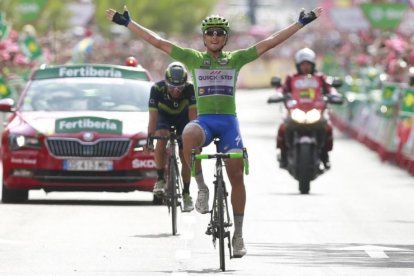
(200, 181)
(238, 225)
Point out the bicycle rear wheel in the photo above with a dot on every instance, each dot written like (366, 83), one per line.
(221, 232)
(172, 182)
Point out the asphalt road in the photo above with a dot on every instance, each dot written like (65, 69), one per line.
(357, 220)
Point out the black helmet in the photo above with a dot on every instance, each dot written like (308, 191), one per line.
(176, 74)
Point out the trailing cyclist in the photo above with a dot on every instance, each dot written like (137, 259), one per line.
(214, 75)
(172, 103)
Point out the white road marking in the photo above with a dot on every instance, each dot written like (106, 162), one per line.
(375, 252)
(187, 235)
(179, 273)
(189, 220)
(182, 254)
(10, 241)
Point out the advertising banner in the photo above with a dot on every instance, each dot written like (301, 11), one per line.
(407, 103)
(4, 27)
(30, 47)
(390, 93)
(4, 89)
(384, 16)
(30, 10)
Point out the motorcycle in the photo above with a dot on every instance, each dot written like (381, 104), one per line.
(305, 132)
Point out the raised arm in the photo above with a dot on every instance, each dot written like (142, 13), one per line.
(279, 37)
(144, 33)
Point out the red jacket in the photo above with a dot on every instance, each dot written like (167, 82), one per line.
(306, 86)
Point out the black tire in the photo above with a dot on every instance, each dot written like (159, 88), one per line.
(172, 193)
(13, 195)
(156, 200)
(305, 162)
(221, 232)
(304, 187)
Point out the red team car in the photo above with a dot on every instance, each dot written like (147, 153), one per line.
(78, 128)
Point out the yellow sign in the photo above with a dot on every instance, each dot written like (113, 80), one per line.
(409, 100)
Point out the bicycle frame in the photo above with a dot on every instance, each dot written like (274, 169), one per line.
(173, 176)
(220, 217)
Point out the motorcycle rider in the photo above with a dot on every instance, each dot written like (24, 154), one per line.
(305, 61)
(172, 103)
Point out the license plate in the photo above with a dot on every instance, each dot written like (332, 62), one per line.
(87, 165)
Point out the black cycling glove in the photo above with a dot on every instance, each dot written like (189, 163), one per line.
(122, 19)
(306, 18)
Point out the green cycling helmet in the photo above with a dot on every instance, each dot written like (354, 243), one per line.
(216, 21)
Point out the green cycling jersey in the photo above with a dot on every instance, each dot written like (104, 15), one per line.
(215, 79)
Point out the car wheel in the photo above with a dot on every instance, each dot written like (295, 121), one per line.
(157, 200)
(13, 195)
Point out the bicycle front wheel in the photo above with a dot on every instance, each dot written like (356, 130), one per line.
(221, 232)
(172, 187)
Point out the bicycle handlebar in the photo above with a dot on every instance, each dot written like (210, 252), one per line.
(172, 135)
(232, 155)
(151, 138)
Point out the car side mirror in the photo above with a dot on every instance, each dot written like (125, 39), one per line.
(6, 105)
(335, 82)
(335, 99)
(276, 82)
(276, 98)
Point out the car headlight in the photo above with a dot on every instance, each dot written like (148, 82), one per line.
(18, 141)
(141, 143)
(309, 117)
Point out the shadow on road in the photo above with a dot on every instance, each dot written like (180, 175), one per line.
(154, 236)
(317, 255)
(87, 202)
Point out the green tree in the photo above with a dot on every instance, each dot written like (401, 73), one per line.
(169, 16)
(51, 14)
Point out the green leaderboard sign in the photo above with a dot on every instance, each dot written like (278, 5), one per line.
(96, 124)
(384, 16)
(407, 102)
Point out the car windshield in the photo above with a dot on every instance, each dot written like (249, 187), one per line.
(82, 94)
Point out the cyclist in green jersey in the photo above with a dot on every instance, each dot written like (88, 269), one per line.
(214, 75)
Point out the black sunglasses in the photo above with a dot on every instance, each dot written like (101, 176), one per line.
(179, 87)
(215, 32)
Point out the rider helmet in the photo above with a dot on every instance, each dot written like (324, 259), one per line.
(305, 54)
(131, 61)
(215, 21)
(176, 74)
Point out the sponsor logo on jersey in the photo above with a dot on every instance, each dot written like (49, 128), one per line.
(306, 83)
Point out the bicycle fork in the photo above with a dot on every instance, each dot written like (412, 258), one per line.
(213, 226)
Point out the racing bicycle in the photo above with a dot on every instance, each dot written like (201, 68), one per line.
(173, 194)
(220, 221)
